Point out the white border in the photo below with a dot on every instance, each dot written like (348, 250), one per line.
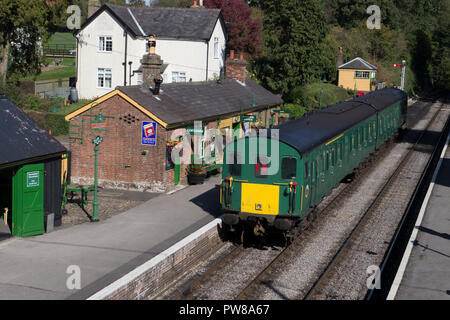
(401, 270)
(102, 294)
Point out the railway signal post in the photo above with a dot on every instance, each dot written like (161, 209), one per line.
(403, 66)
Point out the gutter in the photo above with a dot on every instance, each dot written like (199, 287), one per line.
(31, 160)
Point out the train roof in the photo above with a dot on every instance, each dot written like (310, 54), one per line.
(318, 127)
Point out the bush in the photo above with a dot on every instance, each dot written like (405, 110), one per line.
(55, 123)
(303, 99)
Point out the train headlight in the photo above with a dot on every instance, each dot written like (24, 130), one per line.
(258, 206)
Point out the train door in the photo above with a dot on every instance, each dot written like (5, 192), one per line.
(307, 184)
(339, 160)
(321, 188)
(314, 180)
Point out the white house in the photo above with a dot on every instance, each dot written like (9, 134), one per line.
(111, 43)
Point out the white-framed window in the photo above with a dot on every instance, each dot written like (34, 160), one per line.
(178, 76)
(361, 75)
(216, 47)
(105, 44)
(104, 78)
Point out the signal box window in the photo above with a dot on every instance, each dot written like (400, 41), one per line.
(288, 168)
(261, 169)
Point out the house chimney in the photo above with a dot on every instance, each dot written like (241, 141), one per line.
(93, 6)
(340, 58)
(151, 67)
(236, 68)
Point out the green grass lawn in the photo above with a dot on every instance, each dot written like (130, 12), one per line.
(61, 38)
(66, 72)
(72, 107)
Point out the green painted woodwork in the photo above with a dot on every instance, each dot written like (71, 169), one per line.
(28, 201)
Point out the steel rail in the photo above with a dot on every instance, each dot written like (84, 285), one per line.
(378, 197)
(411, 202)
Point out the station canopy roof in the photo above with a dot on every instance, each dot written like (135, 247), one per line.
(186, 102)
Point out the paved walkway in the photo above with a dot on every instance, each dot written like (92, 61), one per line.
(427, 274)
(35, 267)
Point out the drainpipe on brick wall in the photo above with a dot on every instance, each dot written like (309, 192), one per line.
(207, 59)
(125, 59)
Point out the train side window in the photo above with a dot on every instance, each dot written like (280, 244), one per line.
(234, 168)
(317, 169)
(288, 168)
(335, 154)
(328, 160)
(306, 170)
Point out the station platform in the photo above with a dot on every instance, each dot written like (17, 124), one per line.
(424, 273)
(38, 267)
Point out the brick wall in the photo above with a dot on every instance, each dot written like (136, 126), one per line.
(121, 160)
(122, 164)
(157, 277)
(236, 68)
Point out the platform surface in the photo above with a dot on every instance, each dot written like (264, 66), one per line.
(36, 267)
(427, 274)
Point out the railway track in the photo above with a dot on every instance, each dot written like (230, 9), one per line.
(263, 270)
(271, 258)
(334, 268)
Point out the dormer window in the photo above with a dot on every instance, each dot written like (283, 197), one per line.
(105, 44)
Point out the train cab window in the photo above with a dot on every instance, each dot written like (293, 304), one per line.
(288, 168)
(234, 169)
(261, 168)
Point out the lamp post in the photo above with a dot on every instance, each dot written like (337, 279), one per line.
(98, 119)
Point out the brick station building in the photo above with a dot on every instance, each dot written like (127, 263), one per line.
(130, 160)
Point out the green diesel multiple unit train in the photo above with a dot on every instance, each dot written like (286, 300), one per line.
(315, 153)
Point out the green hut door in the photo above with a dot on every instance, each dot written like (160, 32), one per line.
(28, 201)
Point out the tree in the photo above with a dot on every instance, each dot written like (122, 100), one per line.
(136, 3)
(293, 55)
(244, 31)
(172, 3)
(24, 25)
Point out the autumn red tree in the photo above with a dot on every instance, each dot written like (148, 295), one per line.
(244, 32)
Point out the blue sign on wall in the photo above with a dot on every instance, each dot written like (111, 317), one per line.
(149, 133)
